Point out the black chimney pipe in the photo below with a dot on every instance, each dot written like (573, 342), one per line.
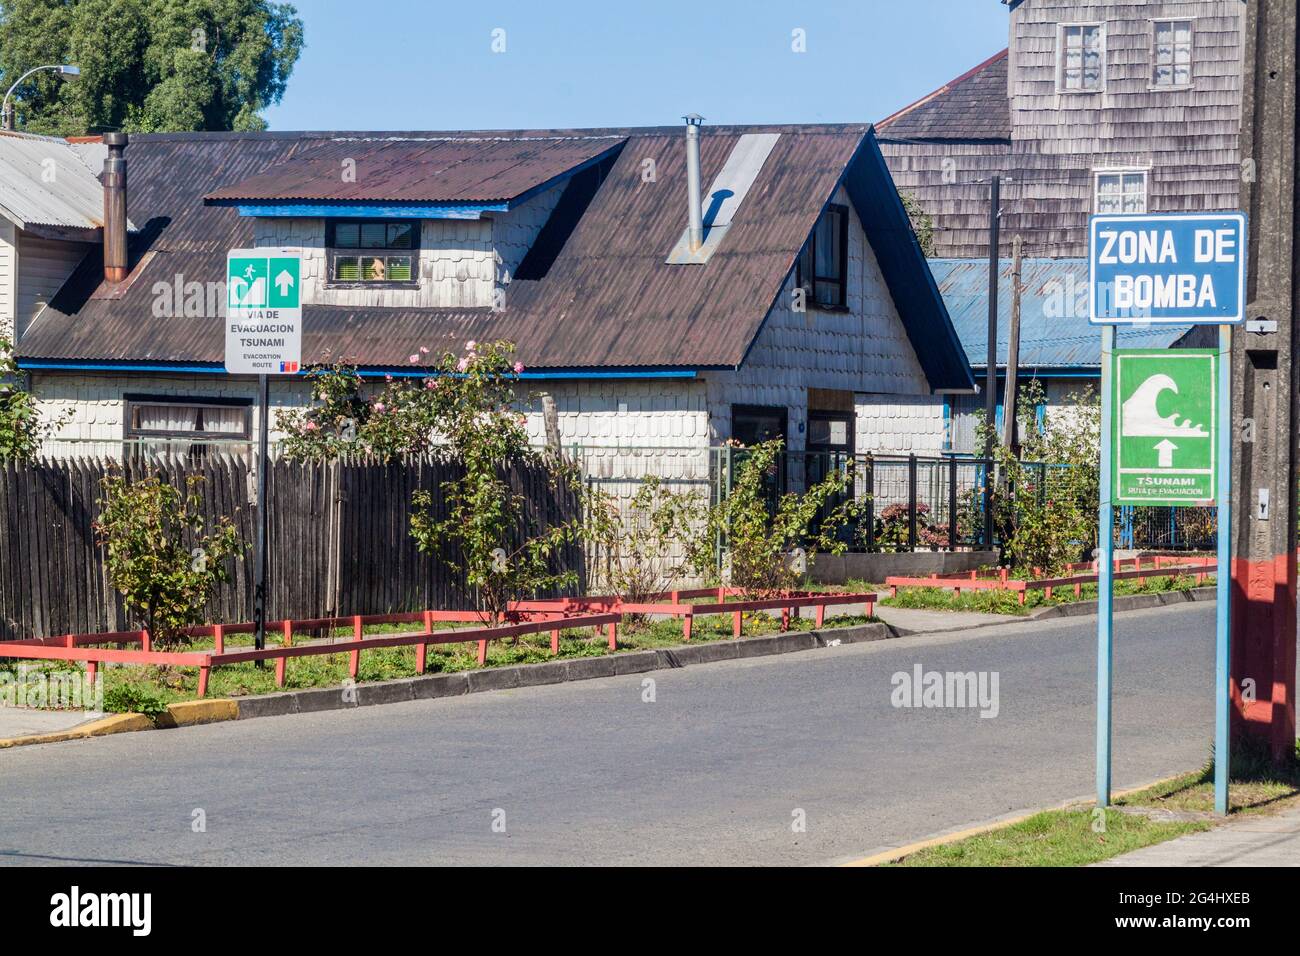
(115, 263)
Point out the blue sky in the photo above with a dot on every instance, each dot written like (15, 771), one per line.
(429, 64)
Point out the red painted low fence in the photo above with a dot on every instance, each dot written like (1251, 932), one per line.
(82, 647)
(673, 604)
(604, 613)
(1000, 580)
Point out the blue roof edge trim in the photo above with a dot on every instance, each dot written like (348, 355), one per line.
(216, 368)
(367, 210)
(907, 273)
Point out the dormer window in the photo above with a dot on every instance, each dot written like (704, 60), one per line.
(822, 268)
(373, 252)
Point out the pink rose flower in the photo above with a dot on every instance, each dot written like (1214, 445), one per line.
(310, 426)
(462, 365)
(519, 368)
(424, 350)
(413, 357)
(379, 407)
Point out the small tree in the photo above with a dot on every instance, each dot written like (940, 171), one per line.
(21, 429)
(161, 557)
(640, 545)
(1046, 500)
(488, 538)
(760, 538)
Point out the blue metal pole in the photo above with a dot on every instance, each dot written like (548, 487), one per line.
(1223, 576)
(1105, 576)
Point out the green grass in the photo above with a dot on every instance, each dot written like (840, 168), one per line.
(989, 601)
(1066, 837)
(148, 689)
(1054, 838)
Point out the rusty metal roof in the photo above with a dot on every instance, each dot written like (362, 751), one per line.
(478, 169)
(45, 181)
(1054, 328)
(598, 294)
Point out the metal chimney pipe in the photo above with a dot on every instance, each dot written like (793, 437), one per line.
(696, 234)
(115, 259)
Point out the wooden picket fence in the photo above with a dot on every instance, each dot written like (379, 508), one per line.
(338, 542)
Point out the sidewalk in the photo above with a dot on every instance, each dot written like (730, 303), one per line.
(22, 722)
(1255, 840)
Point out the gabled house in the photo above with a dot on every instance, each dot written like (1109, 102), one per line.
(1095, 107)
(806, 308)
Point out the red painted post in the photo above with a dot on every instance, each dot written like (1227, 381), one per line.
(555, 640)
(281, 665)
(821, 614)
(482, 653)
(354, 659)
(219, 638)
(203, 681)
(613, 635)
(422, 650)
(145, 644)
(288, 633)
(92, 671)
(785, 619)
(686, 627)
(1047, 592)
(736, 619)
(722, 593)
(1078, 590)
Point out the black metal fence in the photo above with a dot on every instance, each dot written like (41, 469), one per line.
(920, 502)
(905, 502)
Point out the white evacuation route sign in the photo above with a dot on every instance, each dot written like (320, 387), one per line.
(263, 321)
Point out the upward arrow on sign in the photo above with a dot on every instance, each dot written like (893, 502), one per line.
(1165, 451)
(284, 282)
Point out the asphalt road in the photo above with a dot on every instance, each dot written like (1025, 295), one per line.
(712, 772)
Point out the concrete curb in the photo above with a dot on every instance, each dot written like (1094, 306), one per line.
(191, 712)
(894, 854)
(548, 672)
(112, 724)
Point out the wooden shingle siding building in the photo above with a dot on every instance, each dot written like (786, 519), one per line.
(1105, 106)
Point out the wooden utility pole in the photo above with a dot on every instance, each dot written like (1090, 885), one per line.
(991, 376)
(1265, 413)
(1009, 423)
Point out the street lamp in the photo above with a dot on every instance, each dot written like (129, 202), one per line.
(6, 115)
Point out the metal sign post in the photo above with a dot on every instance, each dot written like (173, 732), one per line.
(263, 338)
(1166, 413)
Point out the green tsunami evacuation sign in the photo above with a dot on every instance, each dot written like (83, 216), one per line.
(1164, 426)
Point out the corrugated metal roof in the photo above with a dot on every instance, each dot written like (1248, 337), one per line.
(603, 298)
(1054, 328)
(46, 182)
(465, 169)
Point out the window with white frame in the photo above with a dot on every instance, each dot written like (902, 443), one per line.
(1171, 53)
(1121, 191)
(1081, 57)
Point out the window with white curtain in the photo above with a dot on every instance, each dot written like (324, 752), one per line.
(162, 417)
(1081, 58)
(1121, 192)
(1171, 54)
